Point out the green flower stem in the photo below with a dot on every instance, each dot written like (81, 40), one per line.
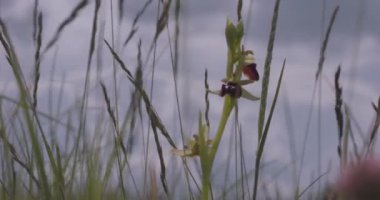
(233, 36)
(229, 103)
(230, 66)
(227, 108)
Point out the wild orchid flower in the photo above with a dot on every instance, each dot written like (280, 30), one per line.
(234, 88)
(231, 88)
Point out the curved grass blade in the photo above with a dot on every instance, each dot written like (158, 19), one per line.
(310, 185)
(325, 42)
(135, 20)
(153, 116)
(74, 13)
(262, 140)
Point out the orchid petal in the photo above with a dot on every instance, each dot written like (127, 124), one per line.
(216, 92)
(247, 95)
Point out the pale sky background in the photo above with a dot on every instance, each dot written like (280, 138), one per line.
(354, 44)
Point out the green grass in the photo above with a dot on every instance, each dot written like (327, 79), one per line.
(82, 155)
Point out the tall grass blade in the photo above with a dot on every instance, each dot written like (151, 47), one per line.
(207, 101)
(59, 180)
(37, 74)
(267, 65)
(325, 42)
(37, 63)
(83, 101)
(24, 104)
(74, 13)
(9, 147)
(35, 16)
(239, 7)
(338, 110)
(291, 138)
(93, 32)
(376, 124)
(121, 63)
(347, 132)
(40, 113)
(153, 116)
(260, 148)
(117, 137)
(156, 123)
(311, 184)
(163, 20)
(38, 43)
(135, 20)
(134, 108)
(161, 157)
(176, 38)
(319, 70)
(121, 10)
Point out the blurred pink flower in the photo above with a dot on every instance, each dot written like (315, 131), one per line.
(361, 181)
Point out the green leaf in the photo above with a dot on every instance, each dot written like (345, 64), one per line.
(262, 139)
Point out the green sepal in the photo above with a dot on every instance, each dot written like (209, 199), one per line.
(247, 95)
(231, 34)
(239, 31)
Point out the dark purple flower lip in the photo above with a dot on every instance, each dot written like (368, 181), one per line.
(232, 89)
(251, 72)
